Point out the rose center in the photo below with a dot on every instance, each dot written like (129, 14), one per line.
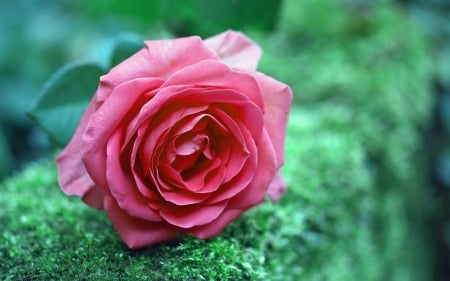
(193, 153)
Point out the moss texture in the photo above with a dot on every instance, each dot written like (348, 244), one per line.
(355, 204)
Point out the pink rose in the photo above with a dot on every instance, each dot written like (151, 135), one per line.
(184, 136)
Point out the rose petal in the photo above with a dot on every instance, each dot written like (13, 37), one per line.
(215, 74)
(150, 134)
(242, 179)
(189, 216)
(145, 187)
(244, 109)
(215, 227)
(277, 102)
(255, 191)
(122, 186)
(213, 180)
(155, 151)
(184, 198)
(105, 120)
(277, 187)
(163, 110)
(72, 175)
(182, 162)
(235, 49)
(94, 197)
(192, 143)
(232, 103)
(137, 233)
(198, 124)
(239, 151)
(160, 58)
(194, 179)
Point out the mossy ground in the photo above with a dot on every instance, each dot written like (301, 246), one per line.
(49, 236)
(355, 204)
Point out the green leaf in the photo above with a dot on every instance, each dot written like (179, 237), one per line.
(206, 18)
(6, 160)
(63, 100)
(140, 14)
(126, 45)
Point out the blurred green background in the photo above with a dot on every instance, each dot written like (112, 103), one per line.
(327, 50)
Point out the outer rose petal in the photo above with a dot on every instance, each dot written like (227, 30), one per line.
(94, 198)
(105, 120)
(122, 186)
(277, 102)
(189, 216)
(216, 74)
(277, 187)
(137, 233)
(214, 228)
(160, 58)
(72, 175)
(254, 193)
(235, 49)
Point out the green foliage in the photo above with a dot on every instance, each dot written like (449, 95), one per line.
(52, 232)
(354, 206)
(206, 18)
(320, 214)
(434, 17)
(83, 32)
(49, 236)
(125, 46)
(200, 17)
(5, 161)
(64, 99)
(140, 12)
(67, 93)
(27, 58)
(378, 74)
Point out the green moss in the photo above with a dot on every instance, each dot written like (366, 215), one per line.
(49, 236)
(354, 207)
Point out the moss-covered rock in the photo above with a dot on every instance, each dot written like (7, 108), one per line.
(354, 207)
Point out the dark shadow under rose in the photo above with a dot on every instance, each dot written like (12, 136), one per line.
(184, 136)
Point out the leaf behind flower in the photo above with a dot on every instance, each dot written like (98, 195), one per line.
(63, 100)
(125, 46)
